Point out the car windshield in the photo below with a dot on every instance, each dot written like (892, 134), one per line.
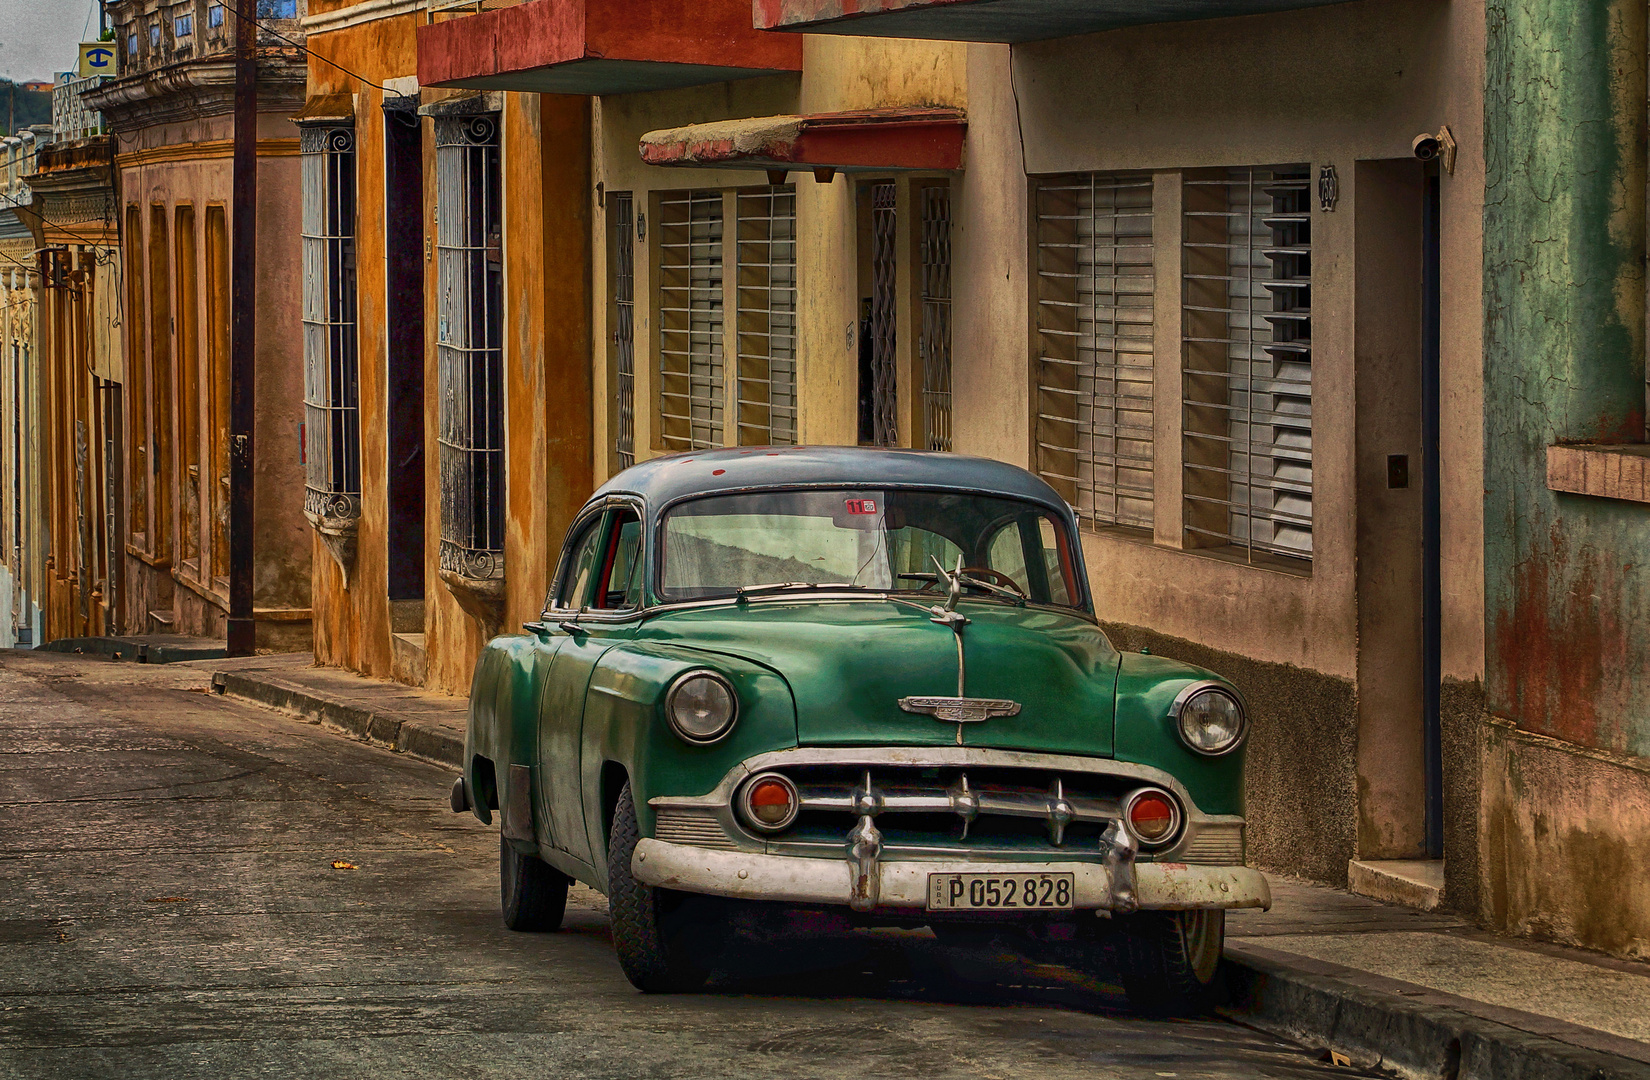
(868, 538)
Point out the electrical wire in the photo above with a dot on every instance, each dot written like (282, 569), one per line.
(300, 46)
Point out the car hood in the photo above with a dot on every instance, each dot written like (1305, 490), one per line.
(849, 663)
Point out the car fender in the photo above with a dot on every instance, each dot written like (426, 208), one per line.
(500, 731)
(627, 736)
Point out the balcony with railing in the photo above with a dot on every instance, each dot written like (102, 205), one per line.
(72, 118)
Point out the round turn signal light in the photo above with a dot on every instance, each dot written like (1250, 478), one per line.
(1153, 817)
(770, 802)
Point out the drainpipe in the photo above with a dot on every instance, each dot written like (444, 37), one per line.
(243, 333)
(1432, 600)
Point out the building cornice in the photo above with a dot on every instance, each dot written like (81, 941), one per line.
(197, 88)
(204, 150)
(357, 14)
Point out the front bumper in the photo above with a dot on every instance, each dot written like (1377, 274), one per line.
(904, 884)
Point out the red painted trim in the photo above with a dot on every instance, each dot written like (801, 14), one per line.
(545, 33)
(911, 139)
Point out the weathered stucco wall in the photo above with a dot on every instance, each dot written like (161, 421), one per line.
(187, 164)
(1568, 587)
(1566, 580)
(352, 619)
(1379, 72)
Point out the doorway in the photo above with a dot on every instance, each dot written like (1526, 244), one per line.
(404, 383)
(1398, 337)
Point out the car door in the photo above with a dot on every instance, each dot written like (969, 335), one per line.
(555, 727)
(596, 606)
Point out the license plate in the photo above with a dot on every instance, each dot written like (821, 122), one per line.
(999, 892)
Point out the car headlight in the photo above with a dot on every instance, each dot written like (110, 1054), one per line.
(1210, 719)
(702, 706)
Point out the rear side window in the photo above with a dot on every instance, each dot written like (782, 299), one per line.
(582, 562)
(621, 578)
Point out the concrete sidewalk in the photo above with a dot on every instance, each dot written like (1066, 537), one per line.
(1416, 994)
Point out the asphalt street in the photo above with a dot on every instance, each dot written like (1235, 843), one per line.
(195, 887)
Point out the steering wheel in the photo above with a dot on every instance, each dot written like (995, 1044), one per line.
(996, 577)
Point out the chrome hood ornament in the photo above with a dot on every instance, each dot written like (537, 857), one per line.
(961, 709)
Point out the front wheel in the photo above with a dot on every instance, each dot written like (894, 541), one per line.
(655, 950)
(1168, 959)
(532, 893)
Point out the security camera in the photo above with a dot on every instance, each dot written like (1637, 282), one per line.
(1425, 147)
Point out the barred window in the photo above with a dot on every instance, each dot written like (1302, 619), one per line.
(766, 339)
(469, 345)
(935, 343)
(332, 423)
(622, 269)
(1247, 414)
(1094, 384)
(690, 320)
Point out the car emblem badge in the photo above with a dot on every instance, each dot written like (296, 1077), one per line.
(960, 710)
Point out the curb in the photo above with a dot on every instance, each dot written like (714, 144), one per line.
(135, 649)
(406, 735)
(1408, 1038)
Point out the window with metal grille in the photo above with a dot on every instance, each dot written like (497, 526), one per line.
(332, 419)
(690, 320)
(1095, 287)
(766, 338)
(935, 343)
(1247, 414)
(469, 344)
(622, 267)
(884, 306)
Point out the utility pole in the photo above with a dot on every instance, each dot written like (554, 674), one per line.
(243, 293)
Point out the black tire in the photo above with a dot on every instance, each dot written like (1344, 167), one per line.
(532, 893)
(1169, 960)
(652, 939)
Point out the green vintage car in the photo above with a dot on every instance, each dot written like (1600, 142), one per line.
(866, 683)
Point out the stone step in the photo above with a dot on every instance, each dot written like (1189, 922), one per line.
(1416, 883)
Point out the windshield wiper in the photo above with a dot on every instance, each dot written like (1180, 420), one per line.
(967, 579)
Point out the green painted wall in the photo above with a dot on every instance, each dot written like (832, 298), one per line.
(1567, 577)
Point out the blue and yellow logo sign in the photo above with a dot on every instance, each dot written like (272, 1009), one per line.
(96, 58)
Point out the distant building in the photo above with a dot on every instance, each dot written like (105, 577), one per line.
(170, 111)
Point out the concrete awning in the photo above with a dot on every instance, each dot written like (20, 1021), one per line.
(874, 140)
(602, 47)
(996, 20)
(327, 109)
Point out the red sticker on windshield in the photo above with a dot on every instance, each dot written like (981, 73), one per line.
(861, 506)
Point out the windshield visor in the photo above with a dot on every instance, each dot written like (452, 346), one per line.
(865, 538)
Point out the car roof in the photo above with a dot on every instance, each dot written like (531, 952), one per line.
(663, 480)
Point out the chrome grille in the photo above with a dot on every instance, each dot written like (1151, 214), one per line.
(682, 825)
(977, 808)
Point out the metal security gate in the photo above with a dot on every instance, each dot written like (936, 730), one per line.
(690, 320)
(624, 327)
(766, 373)
(469, 345)
(935, 342)
(1248, 361)
(332, 459)
(884, 384)
(1095, 285)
